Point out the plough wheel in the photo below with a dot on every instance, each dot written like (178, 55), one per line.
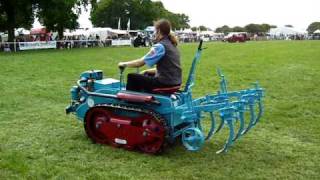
(192, 139)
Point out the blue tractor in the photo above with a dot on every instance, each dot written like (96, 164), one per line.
(150, 121)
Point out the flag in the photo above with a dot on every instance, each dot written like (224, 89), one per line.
(128, 25)
(119, 24)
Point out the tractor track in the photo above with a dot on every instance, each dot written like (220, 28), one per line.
(154, 114)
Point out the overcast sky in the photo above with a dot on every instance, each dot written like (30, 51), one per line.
(215, 13)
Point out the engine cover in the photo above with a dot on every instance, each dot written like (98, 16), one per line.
(92, 74)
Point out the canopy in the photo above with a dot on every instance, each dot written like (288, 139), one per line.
(187, 31)
(210, 33)
(285, 31)
(21, 31)
(150, 29)
(316, 31)
(38, 31)
(117, 31)
(77, 32)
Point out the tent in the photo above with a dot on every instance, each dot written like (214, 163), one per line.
(36, 31)
(118, 32)
(150, 29)
(316, 31)
(3, 37)
(208, 33)
(21, 31)
(103, 33)
(286, 31)
(76, 32)
(187, 31)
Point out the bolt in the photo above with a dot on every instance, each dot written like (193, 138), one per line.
(145, 134)
(98, 124)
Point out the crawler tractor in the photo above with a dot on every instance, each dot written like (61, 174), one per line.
(150, 121)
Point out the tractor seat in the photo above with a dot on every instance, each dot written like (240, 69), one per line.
(166, 90)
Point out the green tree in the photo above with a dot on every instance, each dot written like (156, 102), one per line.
(14, 14)
(57, 15)
(224, 29)
(146, 12)
(178, 21)
(288, 25)
(158, 11)
(194, 29)
(238, 29)
(108, 12)
(313, 27)
(3, 18)
(265, 27)
(251, 28)
(254, 28)
(142, 13)
(203, 28)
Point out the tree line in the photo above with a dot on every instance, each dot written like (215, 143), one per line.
(55, 15)
(250, 28)
(313, 27)
(260, 28)
(142, 13)
(58, 15)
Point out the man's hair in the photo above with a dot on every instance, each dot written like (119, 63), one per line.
(164, 27)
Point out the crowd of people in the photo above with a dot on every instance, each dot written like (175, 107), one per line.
(67, 42)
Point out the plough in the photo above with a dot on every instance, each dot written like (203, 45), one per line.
(150, 121)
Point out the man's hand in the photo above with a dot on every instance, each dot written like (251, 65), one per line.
(122, 64)
(144, 71)
(151, 72)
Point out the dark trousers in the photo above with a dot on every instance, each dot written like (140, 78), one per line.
(143, 83)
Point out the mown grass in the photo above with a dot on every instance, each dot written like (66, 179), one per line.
(38, 141)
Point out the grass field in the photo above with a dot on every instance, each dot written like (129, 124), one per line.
(38, 141)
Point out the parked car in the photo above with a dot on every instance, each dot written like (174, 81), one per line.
(141, 40)
(236, 37)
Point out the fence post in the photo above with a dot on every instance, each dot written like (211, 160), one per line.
(14, 45)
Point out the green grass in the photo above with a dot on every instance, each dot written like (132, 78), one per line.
(38, 141)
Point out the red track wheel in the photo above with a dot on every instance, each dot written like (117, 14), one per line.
(94, 121)
(156, 130)
(144, 132)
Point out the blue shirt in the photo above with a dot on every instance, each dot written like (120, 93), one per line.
(154, 55)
